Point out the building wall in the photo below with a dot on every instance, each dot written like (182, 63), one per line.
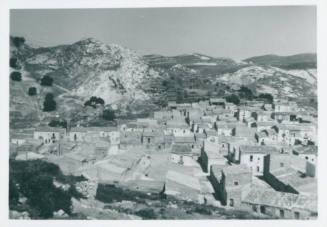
(255, 161)
(77, 136)
(310, 169)
(47, 137)
(277, 212)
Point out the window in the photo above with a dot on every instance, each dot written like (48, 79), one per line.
(258, 169)
(254, 208)
(262, 209)
(281, 213)
(281, 164)
(297, 215)
(231, 202)
(149, 140)
(251, 158)
(235, 182)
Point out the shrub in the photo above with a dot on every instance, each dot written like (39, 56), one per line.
(49, 103)
(233, 99)
(108, 114)
(58, 123)
(18, 41)
(246, 93)
(93, 101)
(268, 97)
(147, 213)
(32, 91)
(16, 76)
(203, 210)
(13, 63)
(13, 193)
(35, 180)
(46, 81)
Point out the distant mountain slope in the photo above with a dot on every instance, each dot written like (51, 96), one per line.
(298, 61)
(267, 79)
(203, 64)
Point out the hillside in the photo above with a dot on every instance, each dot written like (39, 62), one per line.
(298, 61)
(133, 85)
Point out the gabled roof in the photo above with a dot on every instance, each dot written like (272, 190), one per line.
(258, 149)
(268, 197)
(184, 139)
(181, 149)
(50, 129)
(312, 149)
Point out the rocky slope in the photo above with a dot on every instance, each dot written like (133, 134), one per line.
(128, 81)
(91, 68)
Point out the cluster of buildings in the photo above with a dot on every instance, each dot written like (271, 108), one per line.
(253, 156)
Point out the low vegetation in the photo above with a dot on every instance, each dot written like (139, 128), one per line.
(17, 41)
(158, 206)
(94, 101)
(108, 115)
(46, 81)
(33, 180)
(58, 123)
(49, 103)
(13, 63)
(16, 76)
(32, 91)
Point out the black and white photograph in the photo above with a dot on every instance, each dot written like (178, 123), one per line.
(163, 113)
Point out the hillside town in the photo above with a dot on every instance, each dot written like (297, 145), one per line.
(256, 156)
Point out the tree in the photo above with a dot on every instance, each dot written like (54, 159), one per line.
(35, 180)
(93, 101)
(16, 76)
(233, 99)
(267, 97)
(58, 123)
(18, 41)
(32, 91)
(13, 63)
(13, 193)
(49, 103)
(246, 93)
(46, 81)
(108, 114)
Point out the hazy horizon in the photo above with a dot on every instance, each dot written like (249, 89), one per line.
(233, 32)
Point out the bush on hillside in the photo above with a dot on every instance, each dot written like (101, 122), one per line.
(32, 91)
(233, 99)
(245, 93)
(35, 180)
(18, 41)
(49, 103)
(46, 81)
(58, 123)
(16, 76)
(108, 115)
(93, 101)
(13, 63)
(146, 213)
(266, 96)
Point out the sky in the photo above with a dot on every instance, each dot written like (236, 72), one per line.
(235, 32)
